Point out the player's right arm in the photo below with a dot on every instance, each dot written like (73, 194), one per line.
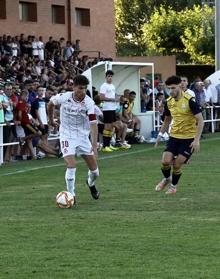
(50, 109)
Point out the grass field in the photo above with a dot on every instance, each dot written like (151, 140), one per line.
(131, 232)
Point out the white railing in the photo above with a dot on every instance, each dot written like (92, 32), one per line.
(10, 143)
(213, 120)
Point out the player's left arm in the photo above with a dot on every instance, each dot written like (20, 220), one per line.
(94, 135)
(196, 110)
(54, 101)
(93, 125)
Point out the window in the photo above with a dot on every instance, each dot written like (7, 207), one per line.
(58, 14)
(28, 11)
(2, 9)
(82, 17)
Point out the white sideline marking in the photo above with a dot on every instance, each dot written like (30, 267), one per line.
(78, 162)
(102, 158)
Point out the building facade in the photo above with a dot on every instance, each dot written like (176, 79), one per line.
(89, 21)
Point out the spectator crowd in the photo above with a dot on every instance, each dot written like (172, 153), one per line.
(32, 71)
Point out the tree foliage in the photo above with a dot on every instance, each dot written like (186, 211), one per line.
(199, 35)
(149, 27)
(188, 34)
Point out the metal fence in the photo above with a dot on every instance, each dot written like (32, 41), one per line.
(2, 145)
(211, 113)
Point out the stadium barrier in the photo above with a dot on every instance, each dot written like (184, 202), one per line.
(2, 145)
(211, 111)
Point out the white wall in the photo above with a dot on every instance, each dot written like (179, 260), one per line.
(126, 76)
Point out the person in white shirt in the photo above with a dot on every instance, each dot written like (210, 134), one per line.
(35, 48)
(109, 98)
(211, 96)
(184, 86)
(14, 47)
(40, 47)
(77, 123)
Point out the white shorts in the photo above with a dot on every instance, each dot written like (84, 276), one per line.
(19, 131)
(80, 146)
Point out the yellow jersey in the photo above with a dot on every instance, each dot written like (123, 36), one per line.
(183, 113)
(130, 106)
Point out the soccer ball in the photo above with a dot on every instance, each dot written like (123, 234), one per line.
(64, 199)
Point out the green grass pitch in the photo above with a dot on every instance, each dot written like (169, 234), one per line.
(132, 232)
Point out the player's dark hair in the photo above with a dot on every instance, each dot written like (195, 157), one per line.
(80, 80)
(173, 80)
(109, 73)
(132, 93)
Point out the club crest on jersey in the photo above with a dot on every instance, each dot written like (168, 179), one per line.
(65, 150)
(183, 106)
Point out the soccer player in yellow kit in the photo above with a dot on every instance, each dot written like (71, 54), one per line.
(186, 129)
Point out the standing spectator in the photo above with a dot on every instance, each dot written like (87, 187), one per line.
(29, 45)
(14, 47)
(39, 113)
(143, 94)
(40, 47)
(35, 52)
(49, 47)
(8, 130)
(61, 46)
(77, 121)
(184, 86)
(23, 45)
(1, 47)
(159, 106)
(184, 135)
(8, 46)
(161, 89)
(68, 51)
(108, 96)
(201, 100)
(2, 105)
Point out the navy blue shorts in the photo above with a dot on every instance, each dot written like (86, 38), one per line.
(44, 130)
(179, 146)
(109, 116)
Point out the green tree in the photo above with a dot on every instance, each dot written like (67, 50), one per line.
(199, 36)
(132, 14)
(188, 34)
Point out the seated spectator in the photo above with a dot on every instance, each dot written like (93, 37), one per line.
(32, 133)
(121, 127)
(132, 121)
(22, 110)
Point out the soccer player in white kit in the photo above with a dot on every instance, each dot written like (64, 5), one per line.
(77, 123)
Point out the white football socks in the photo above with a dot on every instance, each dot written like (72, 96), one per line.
(70, 180)
(92, 175)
